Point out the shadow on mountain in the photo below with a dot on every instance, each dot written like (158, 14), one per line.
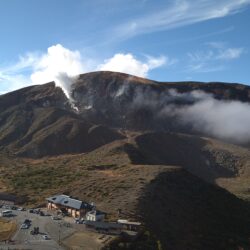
(186, 151)
(183, 212)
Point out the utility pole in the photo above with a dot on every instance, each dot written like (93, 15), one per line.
(59, 234)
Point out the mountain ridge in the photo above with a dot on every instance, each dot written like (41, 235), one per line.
(113, 100)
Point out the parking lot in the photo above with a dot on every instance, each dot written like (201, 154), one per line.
(60, 234)
(51, 232)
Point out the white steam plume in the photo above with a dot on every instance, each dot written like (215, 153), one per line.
(60, 65)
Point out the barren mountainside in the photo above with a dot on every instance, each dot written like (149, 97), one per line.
(39, 120)
(137, 145)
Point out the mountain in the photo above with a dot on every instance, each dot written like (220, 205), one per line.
(33, 117)
(129, 102)
(38, 121)
(122, 142)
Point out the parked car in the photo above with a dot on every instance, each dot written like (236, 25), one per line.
(6, 207)
(25, 226)
(46, 237)
(55, 218)
(27, 221)
(6, 213)
(21, 209)
(36, 211)
(79, 221)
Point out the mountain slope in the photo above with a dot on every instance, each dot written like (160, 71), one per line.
(129, 102)
(173, 199)
(113, 147)
(38, 121)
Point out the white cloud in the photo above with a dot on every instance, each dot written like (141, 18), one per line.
(57, 60)
(212, 59)
(231, 53)
(60, 64)
(127, 63)
(180, 13)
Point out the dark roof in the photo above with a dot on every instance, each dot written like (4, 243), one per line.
(68, 201)
(96, 212)
(103, 225)
(8, 197)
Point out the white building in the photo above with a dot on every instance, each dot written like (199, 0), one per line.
(95, 215)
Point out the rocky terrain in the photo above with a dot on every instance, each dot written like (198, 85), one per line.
(124, 101)
(115, 144)
(38, 121)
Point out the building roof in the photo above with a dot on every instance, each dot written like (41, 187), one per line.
(8, 197)
(130, 223)
(68, 201)
(103, 225)
(96, 212)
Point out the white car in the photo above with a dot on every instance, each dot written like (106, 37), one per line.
(55, 218)
(46, 237)
(24, 226)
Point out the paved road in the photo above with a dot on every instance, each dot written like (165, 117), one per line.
(56, 230)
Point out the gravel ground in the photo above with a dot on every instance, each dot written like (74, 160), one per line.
(56, 231)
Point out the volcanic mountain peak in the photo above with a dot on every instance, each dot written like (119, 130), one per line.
(123, 78)
(32, 118)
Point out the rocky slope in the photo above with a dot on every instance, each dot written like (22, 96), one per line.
(39, 120)
(121, 100)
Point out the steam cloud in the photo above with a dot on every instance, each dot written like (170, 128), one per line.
(229, 120)
(63, 66)
(226, 120)
(60, 65)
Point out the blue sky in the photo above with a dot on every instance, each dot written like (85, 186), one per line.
(165, 40)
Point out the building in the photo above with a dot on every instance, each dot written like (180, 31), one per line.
(8, 199)
(104, 227)
(95, 215)
(69, 205)
(130, 225)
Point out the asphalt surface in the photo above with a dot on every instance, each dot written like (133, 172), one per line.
(56, 230)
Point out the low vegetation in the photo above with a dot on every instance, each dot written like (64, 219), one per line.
(165, 190)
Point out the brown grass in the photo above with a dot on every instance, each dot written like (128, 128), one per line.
(7, 229)
(83, 240)
(117, 176)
